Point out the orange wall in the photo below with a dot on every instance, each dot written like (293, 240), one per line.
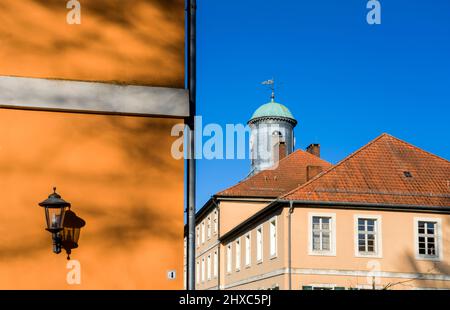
(118, 174)
(132, 41)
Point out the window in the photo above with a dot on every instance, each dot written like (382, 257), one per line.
(208, 267)
(203, 232)
(322, 287)
(216, 265)
(216, 222)
(322, 234)
(203, 269)
(259, 244)
(408, 174)
(238, 254)
(368, 236)
(273, 237)
(198, 272)
(428, 237)
(248, 246)
(209, 228)
(229, 258)
(198, 236)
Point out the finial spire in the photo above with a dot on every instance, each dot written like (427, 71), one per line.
(271, 84)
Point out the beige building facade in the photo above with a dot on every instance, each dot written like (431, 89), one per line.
(380, 219)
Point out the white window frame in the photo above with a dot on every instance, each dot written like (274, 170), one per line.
(327, 286)
(333, 224)
(198, 236)
(439, 243)
(248, 250)
(275, 245)
(216, 264)
(238, 249)
(229, 258)
(378, 236)
(208, 227)
(203, 273)
(260, 246)
(203, 231)
(216, 222)
(208, 267)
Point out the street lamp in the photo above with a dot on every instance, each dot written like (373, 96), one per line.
(55, 208)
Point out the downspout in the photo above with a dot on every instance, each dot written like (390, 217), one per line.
(291, 210)
(218, 246)
(190, 122)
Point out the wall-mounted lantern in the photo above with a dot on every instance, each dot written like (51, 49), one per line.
(55, 209)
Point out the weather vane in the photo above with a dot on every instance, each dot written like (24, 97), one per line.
(271, 84)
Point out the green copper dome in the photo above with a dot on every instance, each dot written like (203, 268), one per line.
(272, 109)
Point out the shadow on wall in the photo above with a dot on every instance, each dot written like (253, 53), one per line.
(116, 171)
(70, 235)
(425, 267)
(133, 41)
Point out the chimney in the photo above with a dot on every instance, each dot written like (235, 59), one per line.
(312, 171)
(280, 148)
(314, 149)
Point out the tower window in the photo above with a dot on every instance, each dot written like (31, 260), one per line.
(277, 133)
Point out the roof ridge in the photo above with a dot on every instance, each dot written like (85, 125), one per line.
(416, 147)
(338, 164)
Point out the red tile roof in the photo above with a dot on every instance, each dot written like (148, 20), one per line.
(376, 174)
(290, 173)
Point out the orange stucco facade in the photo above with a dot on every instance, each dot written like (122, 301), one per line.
(118, 174)
(117, 171)
(130, 42)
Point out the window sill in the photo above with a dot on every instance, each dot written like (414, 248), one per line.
(362, 255)
(322, 254)
(274, 257)
(429, 258)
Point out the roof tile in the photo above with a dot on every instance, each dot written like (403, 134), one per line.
(376, 174)
(289, 174)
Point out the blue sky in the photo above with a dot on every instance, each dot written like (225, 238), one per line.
(345, 81)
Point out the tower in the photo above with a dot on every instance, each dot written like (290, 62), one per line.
(272, 134)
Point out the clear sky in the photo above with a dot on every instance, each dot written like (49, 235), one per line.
(345, 81)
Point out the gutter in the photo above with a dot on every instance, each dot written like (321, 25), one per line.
(218, 245)
(291, 210)
(371, 206)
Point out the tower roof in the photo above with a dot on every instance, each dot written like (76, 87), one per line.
(272, 109)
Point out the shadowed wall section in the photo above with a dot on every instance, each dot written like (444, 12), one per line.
(118, 174)
(132, 41)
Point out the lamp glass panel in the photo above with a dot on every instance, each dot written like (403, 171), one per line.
(54, 217)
